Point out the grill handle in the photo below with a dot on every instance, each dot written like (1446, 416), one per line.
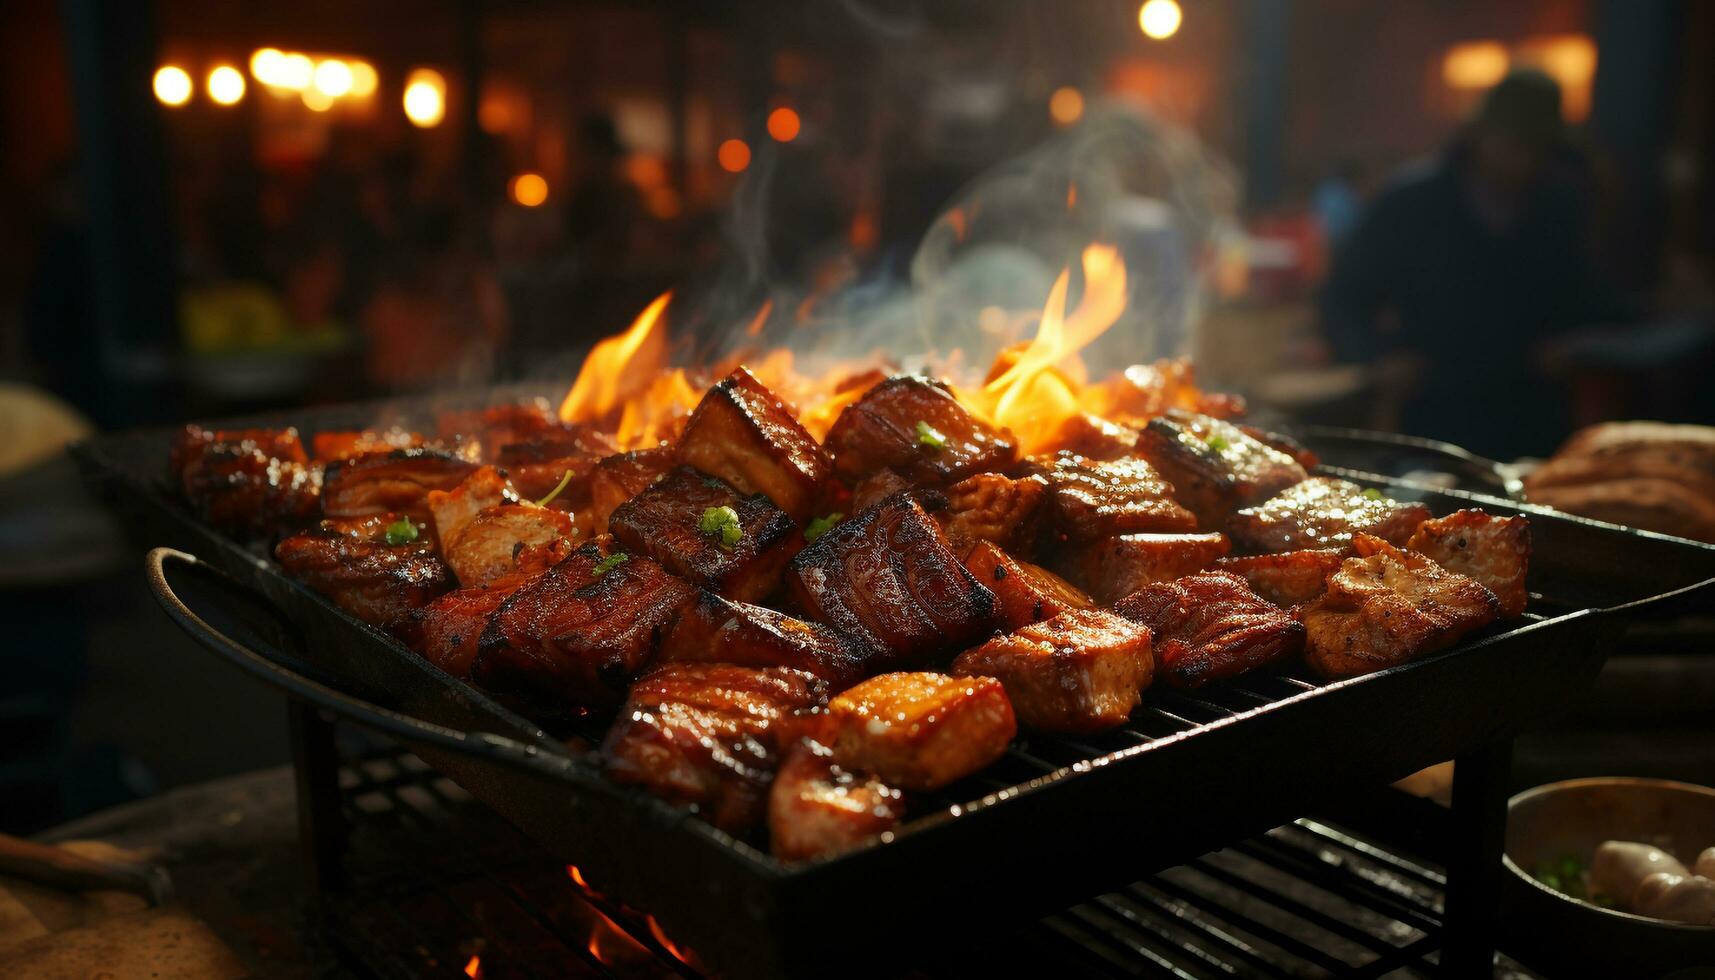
(272, 668)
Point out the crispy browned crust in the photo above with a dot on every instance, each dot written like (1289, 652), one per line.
(1081, 672)
(1213, 466)
(249, 482)
(330, 446)
(1288, 578)
(817, 808)
(703, 735)
(451, 510)
(1211, 627)
(1024, 593)
(1495, 551)
(718, 630)
(449, 627)
(744, 434)
(538, 463)
(1093, 499)
(992, 507)
(399, 482)
(887, 579)
(1094, 437)
(378, 583)
(1305, 456)
(663, 523)
(920, 731)
(498, 541)
(620, 477)
(1112, 568)
(1388, 606)
(1685, 466)
(1323, 512)
(1651, 504)
(876, 487)
(880, 431)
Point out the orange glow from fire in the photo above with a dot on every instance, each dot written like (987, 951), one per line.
(578, 878)
(760, 319)
(680, 953)
(618, 366)
(473, 969)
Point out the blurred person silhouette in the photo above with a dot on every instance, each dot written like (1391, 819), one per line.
(1466, 268)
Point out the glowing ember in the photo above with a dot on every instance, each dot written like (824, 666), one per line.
(473, 969)
(578, 878)
(680, 953)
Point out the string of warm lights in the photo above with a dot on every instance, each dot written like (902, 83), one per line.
(319, 82)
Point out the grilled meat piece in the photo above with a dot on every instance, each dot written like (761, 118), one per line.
(919, 731)
(331, 446)
(449, 628)
(1144, 391)
(1024, 593)
(818, 808)
(500, 540)
(193, 441)
(1210, 627)
(1094, 437)
(396, 482)
(620, 477)
(379, 583)
(488, 429)
(876, 487)
(1213, 466)
(744, 434)
(581, 630)
(1113, 568)
(1387, 607)
(1080, 672)
(992, 507)
(718, 630)
(1093, 499)
(1305, 456)
(887, 579)
(1288, 578)
(1653, 504)
(670, 522)
(249, 482)
(703, 735)
(452, 509)
(1323, 512)
(538, 464)
(916, 427)
(1495, 551)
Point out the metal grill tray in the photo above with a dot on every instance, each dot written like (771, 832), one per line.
(1055, 821)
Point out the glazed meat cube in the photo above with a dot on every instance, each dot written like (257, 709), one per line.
(1080, 672)
(920, 731)
(742, 433)
(1210, 627)
(887, 579)
(1213, 466)
(379, 583)
(398, 482)
(1094, 437)
(704, 735)
(718, 630)
(1024, 593)
(1094, 499)
(916, 427)
(452, 509)
(818, 808)
(1493, 550)
(1388, 606)
(620, 477)
(538, 464)
(449, 628)
(992, 507)
(581, 630)
(250, 482)
(701, 528)
(1288, 578)
(1323, 512)
(492, 544)
(332, 446)
(876, 487)
(1113, 568)
(1305, 456)
(193, 441)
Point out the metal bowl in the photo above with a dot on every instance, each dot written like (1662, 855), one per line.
(1568, 936)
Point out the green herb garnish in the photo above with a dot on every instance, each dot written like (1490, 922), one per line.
(928, 435)
(1373, 493)
(401, 531)
(1217, 442)
(722, 524)
(610, 563)
(559, 488)
(822, 525)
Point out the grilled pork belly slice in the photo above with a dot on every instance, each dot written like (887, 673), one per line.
(488, 429)
(1288, 578)
(992, 507)
(1024, 593)
(817, 808)
(915, 427)
(452, 509)
(330, 446)
(1081, 672)
(703, 529)
(1323, 512)
(887, 579)
(1093, 499)
(715, 629)
(919, 731)
(249, 482)
(1094, 437)
(1113, 568)
(876, 487)
(1305, 456)
(1493, 550)
(492, 544)
(744, 434)
(399, 481)
(449, 628)
(581, 630)
(538, 464)
(352, 564)
(1388, 606)
(620, 477)
(1213, 466)
(704, 735)
(1210, 627)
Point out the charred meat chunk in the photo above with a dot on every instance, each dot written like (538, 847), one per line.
(704, 735)
(250, 482)
(916, 427)
(715, 629)
(1323, 512)
(449, 628)
(1081, 672)
(581, 630)
(1289, 577)
(887, 579)
(1305, 456)
(397, 482)
(992, 507)
(1113, 568)
(1388, 606)
(1024, 593)
(743, 434)
(1493, 550)
(539, 465)
(920, 731)
(1213, 466)
(876, 487)
(1094, 437)
(452, 509)
(332, 446)
(1210, 627)
(1094, 499)
(817, 808)
(379, 583)
(701, 528)
(500, 540)
(620, 477)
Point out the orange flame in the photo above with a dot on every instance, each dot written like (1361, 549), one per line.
(680, 953)
(578, 879)
(755, 326)
(473, 969)
(617, 366)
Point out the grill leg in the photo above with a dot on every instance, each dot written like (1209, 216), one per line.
(1474, 860)
(321, 824)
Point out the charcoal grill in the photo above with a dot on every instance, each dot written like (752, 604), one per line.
(1055, 821)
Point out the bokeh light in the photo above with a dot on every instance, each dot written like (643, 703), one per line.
(784, 125)
(734, 156)
(1160, 19)
(1066, 105)
(364, 81)
(172, 85)
(530, 189)
(425, 98)
(1474, 64)
(333, 78)
(226, 85)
